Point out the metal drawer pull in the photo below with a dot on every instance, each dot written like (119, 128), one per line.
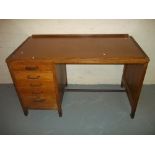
(31, 68)
(39, 100)
(35, 85)
(33, 78)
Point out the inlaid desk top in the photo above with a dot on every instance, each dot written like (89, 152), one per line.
(81, 49)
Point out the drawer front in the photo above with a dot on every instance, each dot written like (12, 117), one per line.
(31, 65)
(33, 76)
(39, 102)
(35, 84)
(30, 91)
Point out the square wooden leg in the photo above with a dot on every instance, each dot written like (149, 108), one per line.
(132, 114)
(60, 112)
(25, 112)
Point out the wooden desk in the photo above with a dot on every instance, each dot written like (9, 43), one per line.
(38, 66)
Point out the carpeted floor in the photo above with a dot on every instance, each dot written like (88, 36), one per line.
(83, 113)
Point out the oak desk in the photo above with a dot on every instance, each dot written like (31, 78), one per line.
(38, 66)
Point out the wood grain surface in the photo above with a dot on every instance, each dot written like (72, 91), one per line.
(85, 49)
(38, 66)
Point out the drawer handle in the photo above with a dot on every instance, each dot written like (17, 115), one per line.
(31, 68)
(39, 100)
(36, 93)
(35, 85)
(33, 78)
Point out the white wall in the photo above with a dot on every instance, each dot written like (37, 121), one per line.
(14, 32)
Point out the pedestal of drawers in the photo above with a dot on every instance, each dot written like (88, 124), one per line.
(37, 85)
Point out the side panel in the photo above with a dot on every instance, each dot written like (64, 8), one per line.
(61, 77)
(132, 80)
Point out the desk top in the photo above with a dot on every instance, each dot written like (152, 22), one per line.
(81, 49)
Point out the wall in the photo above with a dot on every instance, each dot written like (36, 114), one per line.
(14, 32)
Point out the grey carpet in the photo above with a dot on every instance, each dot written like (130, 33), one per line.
(83, 113)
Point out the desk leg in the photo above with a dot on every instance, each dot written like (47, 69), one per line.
(25, 112)
(60, 112)
(132, 80)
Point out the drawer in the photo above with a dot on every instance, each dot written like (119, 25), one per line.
(39, 102)
(35, 76)
(35, 84)
(28, 91)
(32, 65)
